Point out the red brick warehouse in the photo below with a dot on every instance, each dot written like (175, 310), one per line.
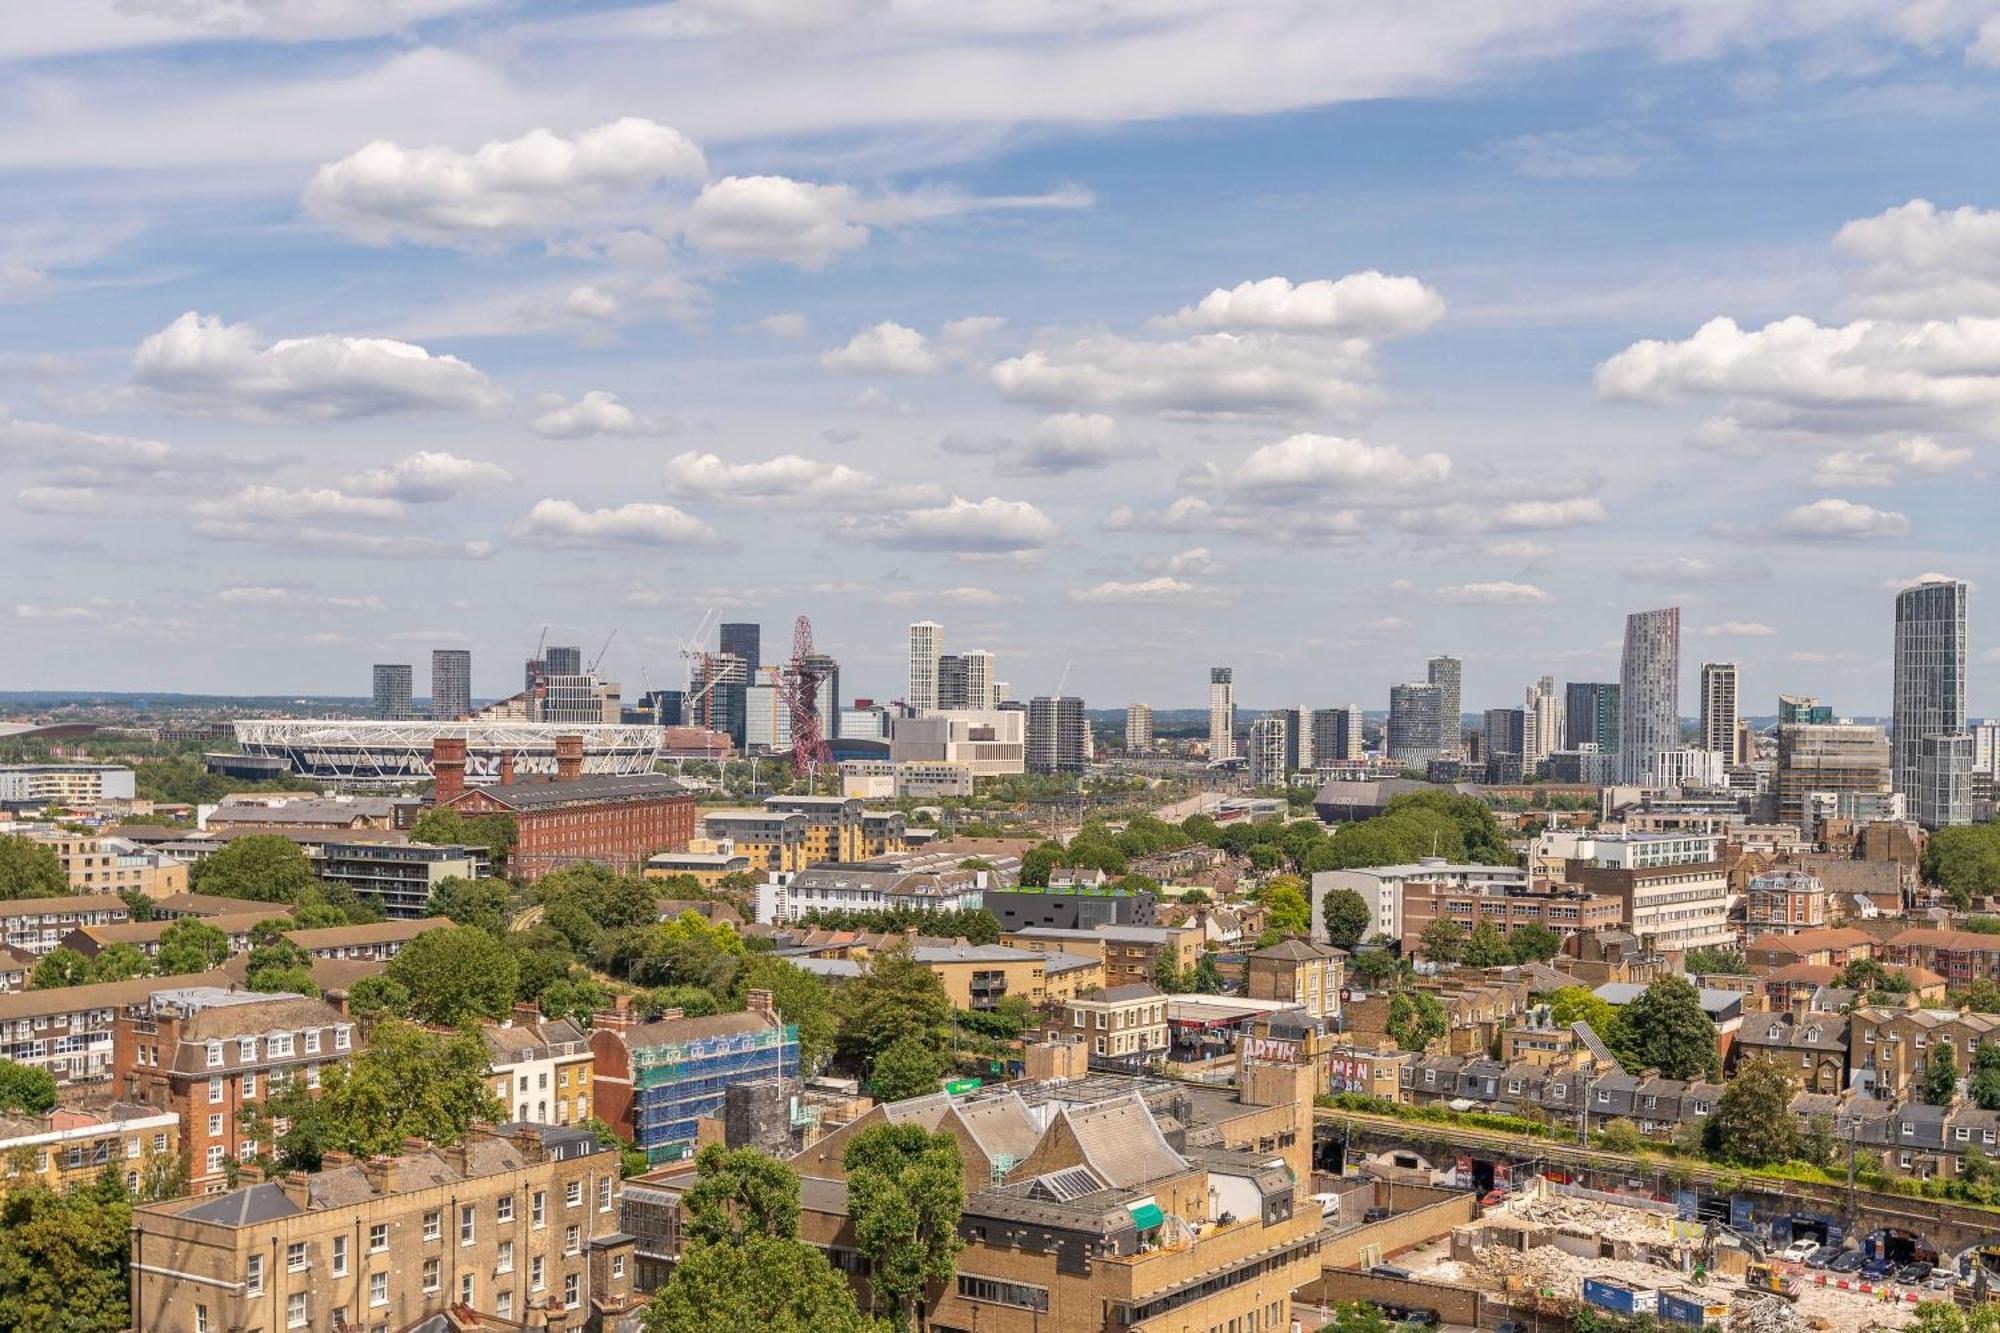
(615, 821)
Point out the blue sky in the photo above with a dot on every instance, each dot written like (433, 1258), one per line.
(1137, 337)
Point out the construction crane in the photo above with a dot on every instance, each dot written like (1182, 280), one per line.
(597, 660)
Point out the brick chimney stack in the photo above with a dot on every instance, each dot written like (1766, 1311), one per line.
(507, 769)
(569, 758)
(448, 767)
(760, 1002)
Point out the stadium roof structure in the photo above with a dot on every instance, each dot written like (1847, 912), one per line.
(384, 753)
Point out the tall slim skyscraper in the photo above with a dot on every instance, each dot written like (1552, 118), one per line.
(1543, 730)
(1414, 723)
(1931, 768)
(1448, 674)
(392, 689)
(1336, 734)
(451, 683)
(1649, 691)
(1267, 751)
(1221, 713)
(926, 645)
(979, 679)
(562, 661)
(743, 640)
(951, 690)
(1299, 755)
(1138, 728)
(1718, 708)
(1590, 716)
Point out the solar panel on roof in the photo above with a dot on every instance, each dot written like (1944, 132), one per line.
(1062, 1186)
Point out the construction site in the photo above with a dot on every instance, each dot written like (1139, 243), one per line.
(1547, 1250)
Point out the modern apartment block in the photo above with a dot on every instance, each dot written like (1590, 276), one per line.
(992, 742)
(1448, 674)
(1544, 709)
(1832, 764)
(926, 646)
(1416, 717)
(1718, 707)
(519, 1222)
(1337, 735)
(1058, 735)
(1649, 686)
(1672, 890)
(451, 683)
(392, 686)
(1267, 751)
(207, 1053)
(1221, 713)
(38, 925)
(1138, 728)
(1590, 716)
(743, 640)
(66, 784)
(1929, 700)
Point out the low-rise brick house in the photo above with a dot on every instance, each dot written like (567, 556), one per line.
(145, 935)
(1302, 971)
(541, 1067)
(1123, 1023)
(38, 925)
(373, 941)
(518, 1222)
(70, 1148)
(1809, 1046)
(207, 1053)
(1835, 945)
(1890, 1049)
(1960, 956)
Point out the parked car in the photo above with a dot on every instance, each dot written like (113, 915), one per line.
(1375, 1215)
(1881, 1266)
(1941, 1279)
(1510, 1326)
(1822, 1257)
(1801, 1250)
(1849, 1262)
(1912, 1274)
(1329, 1205)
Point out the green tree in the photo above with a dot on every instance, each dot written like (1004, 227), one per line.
(1038, 862)
(1374, 966)
(1818, 1143)
(119, 962)
(801, 999)
(1486, 946)
(1346, 917)
(905, 1191)
(1753, 1122)
(739, 1193)
(1664, 1028)
(190, 945)
(63, 1259)
(1984, 1085)
(25, 1089)
(1713, 961)
(60, 967)
(1533, 943)
(377, 997)
(406, 1082)
(471, 902)
(261, 867)
(575, 997)
(30, 869)
(455, 973)
(1206, 977)
(907, 1067)
(689, 951)
(442, 826)
(781, 1286)
(278, 965)
(895, 996)
(1167, 977)
(1358, 1317)
(1442, 940)
(1572, 1003)
(1963, 860)
(1621, 1136)
(1940, 1076)
(1416, 1019)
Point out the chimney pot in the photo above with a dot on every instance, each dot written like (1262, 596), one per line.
(507, 769)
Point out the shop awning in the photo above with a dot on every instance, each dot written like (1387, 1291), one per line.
(1147, 1215)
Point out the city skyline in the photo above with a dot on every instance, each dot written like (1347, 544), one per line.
(1101, 379)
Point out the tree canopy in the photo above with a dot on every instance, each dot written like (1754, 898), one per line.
(261, 867)
(1486, 945)
(1664, 1028)
(190, 945)
(455, 973)
(30, 869)
(779, 1286)
(1442, 940)
(26, 1089)
(740, 1193)
(1753, 1122)
(1416, 1019)
(894, 997)
(63, 1259)
(907, 1067)
(1346, 917)
(905, 1191)
(1963, 860)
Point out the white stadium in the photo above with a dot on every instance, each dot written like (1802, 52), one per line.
(365, 753)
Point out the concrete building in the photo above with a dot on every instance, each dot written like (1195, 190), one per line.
(1416, 717)
(1221, 714)
(361, 753)
(38, 925)
(651, 1082)
(615, 821)
(708, 869)
(95, 864)
(373, 941)
(1383, 887)
(65, 784)
(70, 1148)
(1298, 972)
(1448, 674)
(1544, 730)
(1929, 697)
(1681, 768)
(926, 646)
(451, 683)
(1942, 796)
(1504, 732)
(1300, 757)
(1058, 735)
(992, 742)
(875, 885)
(1649, 686)
(1267, 751)
(1849, 764)
(1565, 911)
(833, 825)
(743, 640)
(517, 1222)
(1718, 708)
(399, 876)
(1673, 891)
(1590, 716)
(1138, 728)
(206, 1053)
(540, 1068)
(1337, 735)
(774, 841)
(1075, 908)
(392, 690)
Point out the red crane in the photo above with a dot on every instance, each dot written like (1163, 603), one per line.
(802, 678)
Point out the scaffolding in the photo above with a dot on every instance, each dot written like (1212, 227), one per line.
(676, 1084)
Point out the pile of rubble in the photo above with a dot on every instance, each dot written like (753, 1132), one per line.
(1542, 1268)
(1764, 1314)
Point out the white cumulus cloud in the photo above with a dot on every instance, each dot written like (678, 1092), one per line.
(1841, 520)
(1537, 515)
(565, 523)
(1307, 468)
(200, 364)
(988, 527)
(1496, 593)
(1370, 304)
(887, 348)
(1737, 629)
(275, 504)
(426, 477)
(1885, 465)
(596, 413)
(788, 479)
(1161, 589)
(1210, 374)
(1923, 260)
(384, 192)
